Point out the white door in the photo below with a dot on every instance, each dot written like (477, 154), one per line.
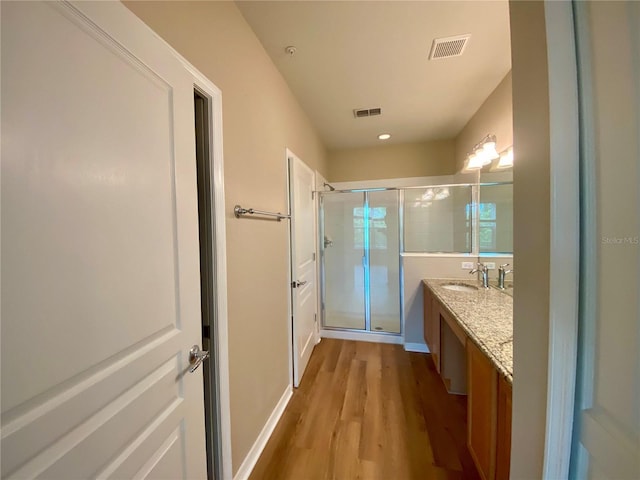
(303, 264)
(607, 444)
(100, 274)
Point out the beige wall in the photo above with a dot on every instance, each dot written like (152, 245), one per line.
(392, 161)
(494, 116)
(261, 117)
(531, 236)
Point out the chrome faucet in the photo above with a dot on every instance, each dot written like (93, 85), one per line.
(484, 271)
(501, 274)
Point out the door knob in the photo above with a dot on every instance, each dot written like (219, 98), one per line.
(297, 283)
(196, 357)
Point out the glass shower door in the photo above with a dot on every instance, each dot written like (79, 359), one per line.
(361, 261)
(344, 261)
(384, 262)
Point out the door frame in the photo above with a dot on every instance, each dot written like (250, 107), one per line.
(220, 330)
(564, 236)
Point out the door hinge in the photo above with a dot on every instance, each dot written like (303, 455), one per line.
(315, 317)
(313, 194)
(313, 256)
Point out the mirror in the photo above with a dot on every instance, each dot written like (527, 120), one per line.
(495, 217)
(437, 219)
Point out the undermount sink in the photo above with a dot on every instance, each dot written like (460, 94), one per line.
(460, 287)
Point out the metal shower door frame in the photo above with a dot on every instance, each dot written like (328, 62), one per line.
(366, 264)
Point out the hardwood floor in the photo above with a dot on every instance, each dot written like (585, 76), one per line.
(369, 411)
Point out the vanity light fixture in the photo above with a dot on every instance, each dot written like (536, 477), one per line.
(474, 162)
(384, 136)
(489, 148)
(483, 153)
(506, 158)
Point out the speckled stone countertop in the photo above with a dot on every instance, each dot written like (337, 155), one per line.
(486, 316)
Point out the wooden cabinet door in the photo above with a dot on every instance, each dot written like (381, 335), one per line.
(503, 447)
(481, 410)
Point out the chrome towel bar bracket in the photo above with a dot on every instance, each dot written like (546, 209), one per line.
(239, 212)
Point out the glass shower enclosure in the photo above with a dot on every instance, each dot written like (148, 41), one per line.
(360, 248)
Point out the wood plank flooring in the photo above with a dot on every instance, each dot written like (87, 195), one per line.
(372, 412)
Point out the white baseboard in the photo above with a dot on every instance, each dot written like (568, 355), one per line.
(416, 347)
(256, 450)
(362, 336)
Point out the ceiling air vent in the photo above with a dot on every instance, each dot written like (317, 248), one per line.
(448, 46)
(367, 112)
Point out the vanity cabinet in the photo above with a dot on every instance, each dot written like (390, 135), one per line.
(431, 315)
(482, 380)
(465, 368)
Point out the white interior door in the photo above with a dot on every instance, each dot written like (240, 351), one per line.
(607, 444)
(303, 264)
(100, 274)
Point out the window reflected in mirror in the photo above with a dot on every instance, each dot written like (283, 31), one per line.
(495, 219)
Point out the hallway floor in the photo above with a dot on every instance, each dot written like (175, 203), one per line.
(372, 412)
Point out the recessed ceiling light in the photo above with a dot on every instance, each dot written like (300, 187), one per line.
(384, 136)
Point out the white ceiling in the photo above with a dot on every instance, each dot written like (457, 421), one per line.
(364, 54)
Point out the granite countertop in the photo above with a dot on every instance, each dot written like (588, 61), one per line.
(486, 316)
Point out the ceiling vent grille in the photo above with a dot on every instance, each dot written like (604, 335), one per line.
(448, 47)
(367, 112)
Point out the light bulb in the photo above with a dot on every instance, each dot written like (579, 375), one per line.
(474, 162)
(483, 156)
(489, 150)
(506, 159)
